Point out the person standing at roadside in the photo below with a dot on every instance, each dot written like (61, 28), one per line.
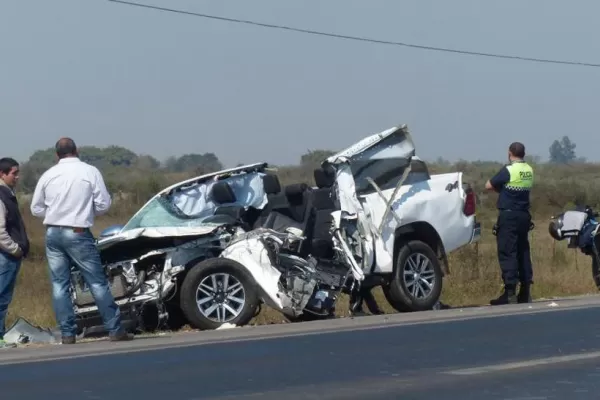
(68, 196)
(14, 244)
(513, 183)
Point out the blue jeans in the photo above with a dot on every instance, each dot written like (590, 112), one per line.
(65, 247)
(9, 269)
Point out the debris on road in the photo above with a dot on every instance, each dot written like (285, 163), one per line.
(441, 306)
(226, 325)
(23, 332)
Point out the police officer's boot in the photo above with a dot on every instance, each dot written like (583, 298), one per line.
(509, 296)
(524, 295)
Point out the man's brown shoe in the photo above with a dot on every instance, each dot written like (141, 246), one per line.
(68, 340)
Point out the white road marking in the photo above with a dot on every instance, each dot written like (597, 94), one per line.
(525, 364)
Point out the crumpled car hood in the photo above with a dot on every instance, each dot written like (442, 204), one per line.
(158, 232)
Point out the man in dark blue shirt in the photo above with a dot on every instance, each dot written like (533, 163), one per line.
(513, 184)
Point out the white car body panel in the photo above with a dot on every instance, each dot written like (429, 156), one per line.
(252, 254)
(438, 201)
(427, 201)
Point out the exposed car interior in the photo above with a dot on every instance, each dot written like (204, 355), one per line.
(297, 205)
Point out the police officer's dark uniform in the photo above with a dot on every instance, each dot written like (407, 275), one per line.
(514, 183)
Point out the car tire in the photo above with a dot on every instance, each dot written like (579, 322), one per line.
(399, 292)
(199, 315)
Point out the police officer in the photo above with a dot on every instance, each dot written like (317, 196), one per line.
(513, 183)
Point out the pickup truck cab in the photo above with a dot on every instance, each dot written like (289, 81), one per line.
(408, 219)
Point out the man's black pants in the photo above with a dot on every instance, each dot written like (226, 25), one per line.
(513, 246)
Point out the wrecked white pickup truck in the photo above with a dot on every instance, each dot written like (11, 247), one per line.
(212, 249)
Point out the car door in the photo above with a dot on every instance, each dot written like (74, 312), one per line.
(388, 160)
(381, 158)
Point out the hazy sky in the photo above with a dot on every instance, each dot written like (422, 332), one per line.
(166, 84)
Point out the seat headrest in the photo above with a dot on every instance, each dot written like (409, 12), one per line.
(294, 193)
(221, 193)
(271, 184)
(324, 177)
(295, 190)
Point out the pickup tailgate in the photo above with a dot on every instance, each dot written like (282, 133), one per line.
(453, 210)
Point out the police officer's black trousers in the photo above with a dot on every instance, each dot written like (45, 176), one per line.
(513, 246)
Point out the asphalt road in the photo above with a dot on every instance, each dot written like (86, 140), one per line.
(531, 352)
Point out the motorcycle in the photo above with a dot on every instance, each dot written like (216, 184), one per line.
(580, 228)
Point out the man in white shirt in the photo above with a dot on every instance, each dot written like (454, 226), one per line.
(68, 196)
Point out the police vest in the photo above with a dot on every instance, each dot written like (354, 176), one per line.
(515, 193)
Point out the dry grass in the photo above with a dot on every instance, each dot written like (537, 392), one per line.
(474, 278)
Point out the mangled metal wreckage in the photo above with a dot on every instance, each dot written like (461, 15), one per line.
(212, 249)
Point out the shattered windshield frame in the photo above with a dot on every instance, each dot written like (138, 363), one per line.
(189, 206)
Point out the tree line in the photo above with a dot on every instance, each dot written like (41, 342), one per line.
(120, 165)
(143, 175)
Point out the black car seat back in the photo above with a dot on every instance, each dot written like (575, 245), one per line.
(324, 203)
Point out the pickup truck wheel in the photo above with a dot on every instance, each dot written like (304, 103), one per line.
(416, 283)
(218, 291)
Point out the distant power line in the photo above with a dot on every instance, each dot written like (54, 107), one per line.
(358, 38)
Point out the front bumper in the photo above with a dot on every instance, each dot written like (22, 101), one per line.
(476, 234)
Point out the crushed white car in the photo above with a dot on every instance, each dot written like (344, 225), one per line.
(210, 250)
